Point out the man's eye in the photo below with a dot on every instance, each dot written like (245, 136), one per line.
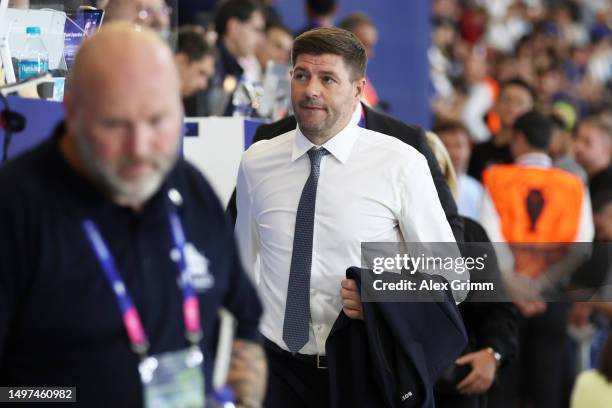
(328, 80)
(156, 120)
(112, 124)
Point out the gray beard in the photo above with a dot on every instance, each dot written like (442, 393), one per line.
(120, 191)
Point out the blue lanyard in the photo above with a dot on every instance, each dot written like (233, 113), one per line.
(131, 317)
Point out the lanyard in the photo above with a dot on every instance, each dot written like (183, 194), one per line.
(131, 317)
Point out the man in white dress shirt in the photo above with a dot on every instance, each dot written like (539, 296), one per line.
(367, 187)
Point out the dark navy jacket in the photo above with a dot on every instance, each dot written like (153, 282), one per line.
(393, 357)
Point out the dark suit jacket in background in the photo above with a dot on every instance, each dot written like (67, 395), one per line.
(412, 135)
(392, 358)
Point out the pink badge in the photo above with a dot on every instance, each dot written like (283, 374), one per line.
(131, 319)
(191, 310)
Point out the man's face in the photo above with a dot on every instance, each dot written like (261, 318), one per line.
(459, 149)
(513, 102)
(324, 94)
(276, 47)
(368, 35)
(127, 131)
(603, 224)
(195, 75)
(247, 35)
(592, 147)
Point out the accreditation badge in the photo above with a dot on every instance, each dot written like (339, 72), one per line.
(173, 379)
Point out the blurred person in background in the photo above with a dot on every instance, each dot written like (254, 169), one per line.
(593, 388)
(276, 46)
(491, 325)
(19, 4)
(516, 98)
(456, 139)
(593, 150)
(447, 102)
(482, 93)
(527, 202)
(561, 148)
(364, 29)
(319, 13)
(195, 60)
(240, 26)
(154, 14)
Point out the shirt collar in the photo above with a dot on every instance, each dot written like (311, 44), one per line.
(535, 160)
(339, 146)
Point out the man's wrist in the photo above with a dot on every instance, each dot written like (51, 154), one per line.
(248, 403)
(496, 355)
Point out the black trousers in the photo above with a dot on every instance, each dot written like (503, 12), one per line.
(536, 378)
(293, 383)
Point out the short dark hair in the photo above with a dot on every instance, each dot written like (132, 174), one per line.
(192, 43)
(335, 41)
(536, 128)
(355, 20)
(448, 126)
(605, 364)
(558, 122)
(277, 25)
(321, 7)
(240, 9)
(520, 82)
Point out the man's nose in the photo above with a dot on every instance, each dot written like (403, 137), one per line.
(313, 88)
(139, 141)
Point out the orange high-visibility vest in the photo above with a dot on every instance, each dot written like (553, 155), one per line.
(538, 206)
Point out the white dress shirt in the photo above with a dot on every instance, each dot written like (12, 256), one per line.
(371, 188)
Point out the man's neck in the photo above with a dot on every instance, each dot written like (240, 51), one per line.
(596, 169)
(502, 138)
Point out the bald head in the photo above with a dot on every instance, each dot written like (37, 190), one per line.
(124, 111)
(119, 53)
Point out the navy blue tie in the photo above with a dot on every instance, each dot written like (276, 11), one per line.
(297, 309)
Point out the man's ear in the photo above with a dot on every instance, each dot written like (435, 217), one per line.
(231, 26)
(182, 60)
(69, 111)
(359, 87)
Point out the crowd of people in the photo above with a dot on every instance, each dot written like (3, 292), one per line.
(519, 152)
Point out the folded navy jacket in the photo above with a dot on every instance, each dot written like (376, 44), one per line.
(395, 355)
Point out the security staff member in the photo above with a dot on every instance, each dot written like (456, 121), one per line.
(114, 250)
(530, 202)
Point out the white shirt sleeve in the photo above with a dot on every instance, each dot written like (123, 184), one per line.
(246, 232)
(586, 230)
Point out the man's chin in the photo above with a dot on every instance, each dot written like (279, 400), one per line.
(135, 193)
